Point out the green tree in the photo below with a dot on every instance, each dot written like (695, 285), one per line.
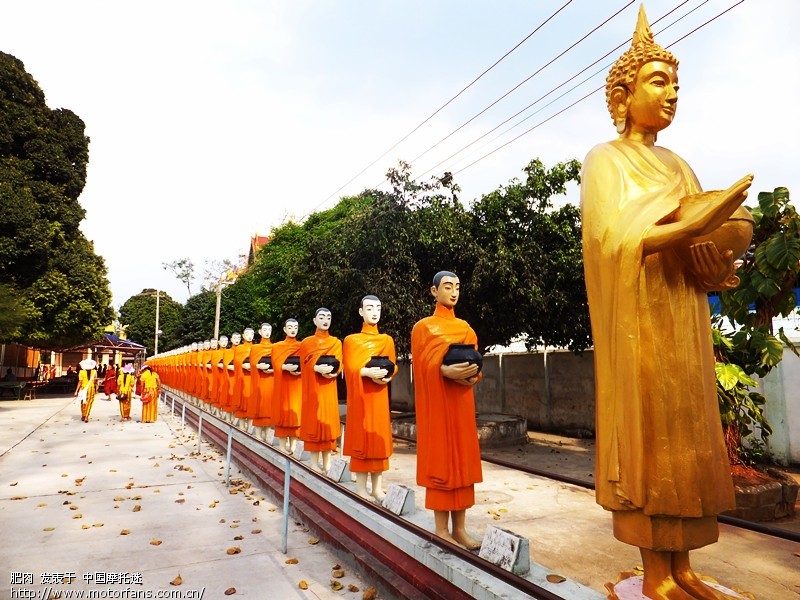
(139, 314)
(767, 275)
(528, 281)
(197, 318)
(43, 159)
(183, 269)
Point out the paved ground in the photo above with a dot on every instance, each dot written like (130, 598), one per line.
(68, 492)
(108, 499)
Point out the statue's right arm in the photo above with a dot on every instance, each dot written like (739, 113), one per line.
(704, 221)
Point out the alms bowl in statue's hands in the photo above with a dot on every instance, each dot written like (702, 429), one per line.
(293, 360)
(264, 363)
(463, 353)
(382, 362)
(329, 359)
(734, 235)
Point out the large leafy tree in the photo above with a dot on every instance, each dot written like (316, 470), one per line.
(59, 284)
(139, 314)
(527, 282)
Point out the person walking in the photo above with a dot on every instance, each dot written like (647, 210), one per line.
(125, 384)
(87, 386)
(149, 395)
(110, 382)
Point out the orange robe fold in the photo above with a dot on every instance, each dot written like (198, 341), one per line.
(217, 379)
(226, 382)
(448, 454)
(241, 379)
(261, 386)
(368, 440)
(287, 391)
(319, 421)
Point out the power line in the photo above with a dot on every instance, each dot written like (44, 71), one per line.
(524, 81)
(553, 90)
(443, 106)
(589, 94)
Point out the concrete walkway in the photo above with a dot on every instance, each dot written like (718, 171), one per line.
(134, 503)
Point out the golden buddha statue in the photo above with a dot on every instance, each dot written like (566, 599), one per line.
(661, 467)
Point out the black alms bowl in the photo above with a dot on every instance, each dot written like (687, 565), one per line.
(328, 359)
(293, 360)
(463, 353)
(382, 362)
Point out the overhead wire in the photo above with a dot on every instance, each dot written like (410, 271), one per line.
(551, 117)
(553, 90)
(524, 81)
(443, 106)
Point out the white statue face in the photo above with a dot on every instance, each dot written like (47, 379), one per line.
(323, 320)
(236, 339)
(291, 328)
(206, 344)
(214, 344)
(249, 334)
(266, 331)
(223, 341)
(448, 291)
(194, 346)
(371, 311)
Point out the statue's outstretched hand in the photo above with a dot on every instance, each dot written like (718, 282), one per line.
(377, 374)
(714, 270)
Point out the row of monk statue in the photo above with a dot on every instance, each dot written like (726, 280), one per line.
(291, 387)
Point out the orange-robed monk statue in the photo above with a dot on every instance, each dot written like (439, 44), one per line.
(448, 454)
(661, 467)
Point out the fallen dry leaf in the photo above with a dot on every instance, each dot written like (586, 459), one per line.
(136, 497)
(78, 516)
(238, 538)
(370, 594)
(73, 507)
(119, 499)
(125, 532)
(233, 550)
(86, 526)
(112, 470)
(41, 505)
(155, 542)
(255, 531)
(338, 574)
(292, 561)
(137, 508)
(13, 484)
(83, 456)
(302, 585)
(180, 500)
(18, 497)
(336, 585)
(553, 578)
(97, 524)
(230, 591)
(49, 529)
(177, 581)
(313, 541)
(352, 588)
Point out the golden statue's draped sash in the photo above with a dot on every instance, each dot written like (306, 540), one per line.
(448, 454)
(659, 437)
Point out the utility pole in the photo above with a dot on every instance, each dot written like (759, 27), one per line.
(158, 307)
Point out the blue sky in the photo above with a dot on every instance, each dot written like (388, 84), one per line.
(213, 121)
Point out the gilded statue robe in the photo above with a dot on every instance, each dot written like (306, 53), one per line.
(448, 454)
(659, 439)
(368, 439)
